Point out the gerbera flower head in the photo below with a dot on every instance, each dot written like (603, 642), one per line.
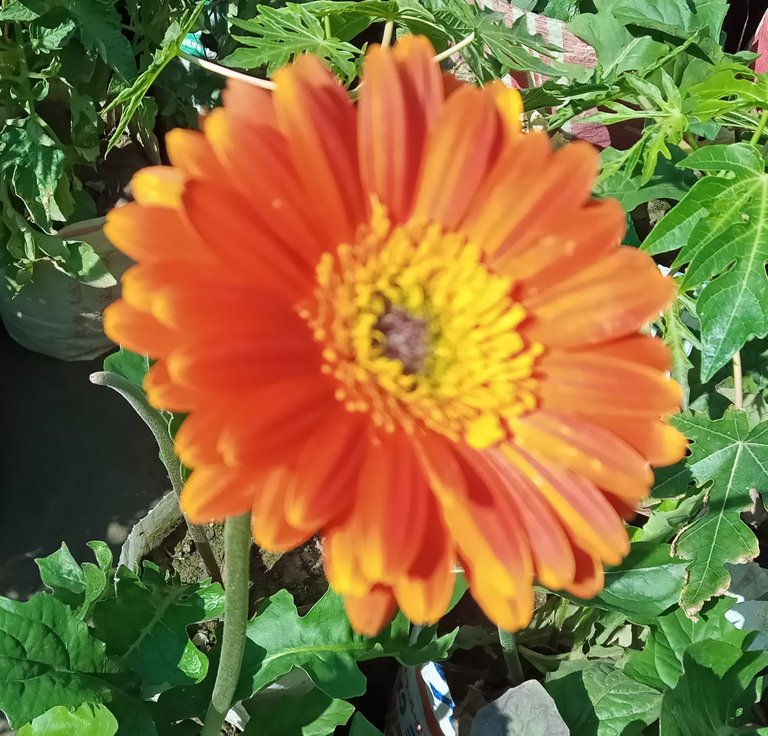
(405, 325)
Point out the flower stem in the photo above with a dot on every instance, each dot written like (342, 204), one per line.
(154, 420)
(229, 73)
(237, 548)
(760, 128)
(508, 643)
(738, 381)
(386, 37)
(449, 52)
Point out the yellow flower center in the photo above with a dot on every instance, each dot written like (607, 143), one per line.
(417, 331)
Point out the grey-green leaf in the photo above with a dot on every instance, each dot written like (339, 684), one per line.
(525, 710)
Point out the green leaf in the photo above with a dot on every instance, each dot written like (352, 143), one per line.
(314, 714)
(101, 31)
(660, 663)
(323, 645)
(598, 699)
(646, 583)
(361, 726)
(669, 517)
(48, 658)
(146, 625)
(714, 691)
(281, 34)
(131, 366)
(23, 10)
(731, 459)
(131, 98)
(617, 50)
(722, 225)
(33, 164)
(87, 720)
(78, 587)
(673, 17)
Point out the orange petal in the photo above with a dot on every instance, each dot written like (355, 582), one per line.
(164, 393)
(391, 508)
(371, 612)
(510, 613)
(424, 592)
(584, 448)
(215, 492)
(250, 103)
(242, 242)
(401, 93)
(189, 151)
(528, 186)
(271, 424)
(324, 477)
(583, 510)
(483, 523)
(318, 119)
(643, 349)
(562, 245)
(270, 528)
(600, 303)
(550, 548)
(590, 576)
(509, 104)
(460, 150)
(340, 560)
(240, 363)
(138, 331)
(158, 186)
(279, 201)
(588, 384)
(198, 437)
(658, 442)
(152, 234)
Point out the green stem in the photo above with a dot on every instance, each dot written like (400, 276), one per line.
(760, 128)
(508, 643)
(237, 548)
(157, 425)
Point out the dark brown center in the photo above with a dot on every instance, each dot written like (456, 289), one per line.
(406, 338)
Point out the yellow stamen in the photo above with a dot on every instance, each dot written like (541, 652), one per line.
(418, 332)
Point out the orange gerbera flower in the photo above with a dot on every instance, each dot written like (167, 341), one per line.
(404, 324)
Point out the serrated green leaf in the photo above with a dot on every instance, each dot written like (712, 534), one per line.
(313, 714)
(282, 34)
(722, 225)
(130, 99)
(78, 587)
(23, 10)
(597, 699)
(48, 658)
(660, 663)
(711, 696)
(101, 30)
(323, 644)
(730, 459)
(86, 720)
(146, 622)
